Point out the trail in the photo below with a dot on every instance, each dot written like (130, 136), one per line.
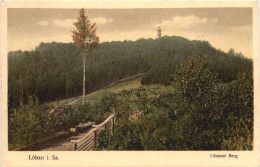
(64, 144)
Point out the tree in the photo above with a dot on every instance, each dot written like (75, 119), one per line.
(193, 80)
(85, 39)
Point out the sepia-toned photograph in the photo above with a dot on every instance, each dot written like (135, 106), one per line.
(180, 80)
(130, 79)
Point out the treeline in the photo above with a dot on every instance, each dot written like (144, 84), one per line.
(53, 71)
(227, 65)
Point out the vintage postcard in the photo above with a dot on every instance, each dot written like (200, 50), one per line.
(117, 83)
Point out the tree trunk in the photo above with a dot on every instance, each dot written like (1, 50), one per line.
(84, 77)
(21, 100)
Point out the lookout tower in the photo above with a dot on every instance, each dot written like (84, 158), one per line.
(159, 32)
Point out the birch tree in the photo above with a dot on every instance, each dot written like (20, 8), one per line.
(85, 38)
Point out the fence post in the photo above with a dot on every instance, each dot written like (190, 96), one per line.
(75, 146)
(95, 137)
(113, 125)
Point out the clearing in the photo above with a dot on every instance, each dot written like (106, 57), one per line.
(123, 84)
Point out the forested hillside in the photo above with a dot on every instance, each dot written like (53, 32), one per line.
(54, 70)
(193, 96)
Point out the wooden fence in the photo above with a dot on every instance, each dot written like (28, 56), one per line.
(87, 143)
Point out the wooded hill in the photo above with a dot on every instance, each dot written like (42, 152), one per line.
(193, 97)
(53, 71)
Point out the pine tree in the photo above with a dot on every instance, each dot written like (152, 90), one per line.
(85, 39)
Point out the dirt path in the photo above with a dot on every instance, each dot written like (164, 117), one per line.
(64, 144)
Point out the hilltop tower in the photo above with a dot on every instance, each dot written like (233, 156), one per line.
(159, 32)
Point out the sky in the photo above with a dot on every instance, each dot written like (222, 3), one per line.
(224, 28)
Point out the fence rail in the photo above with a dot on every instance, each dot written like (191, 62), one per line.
(87, 143)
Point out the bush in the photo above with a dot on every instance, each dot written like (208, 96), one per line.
(27, 123)
(218, 116)
(193, 80)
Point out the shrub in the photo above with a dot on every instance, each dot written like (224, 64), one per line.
(27, 123)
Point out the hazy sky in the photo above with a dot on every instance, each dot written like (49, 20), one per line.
(224, 28)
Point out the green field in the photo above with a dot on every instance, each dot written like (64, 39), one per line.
(126, 91)
(117, 87)
(124, 85)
